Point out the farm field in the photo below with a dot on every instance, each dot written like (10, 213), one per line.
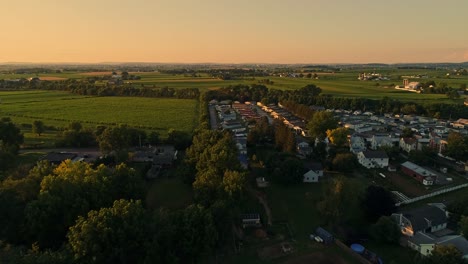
(60, 108)
(343, 83)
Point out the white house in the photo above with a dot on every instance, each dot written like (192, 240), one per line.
(357, 144)
(419, 224)
(314, 174)
(383, 140)
(303, 147)
(408, 144)
(373, 159)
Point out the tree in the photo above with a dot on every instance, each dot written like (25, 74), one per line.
(457, 146)
(407, 132)
(233, 183)
(338, 196)
(464, 226)
(285, 168)
(386, 231)
(180, 139)
(120, 138)
(338, 136)
(111, 235)
(153, 138)
(75, 126)
(377, 202)
(320, 123)
(72, 190)
(10, 136)
(344, 162)
(197, 233)
(444, 255)
(38, 127)
(453, 94)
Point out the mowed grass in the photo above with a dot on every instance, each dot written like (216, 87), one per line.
(60, 108)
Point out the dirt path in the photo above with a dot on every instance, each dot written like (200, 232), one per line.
(262, 199)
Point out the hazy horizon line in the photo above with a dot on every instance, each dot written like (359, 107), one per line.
(230, 63)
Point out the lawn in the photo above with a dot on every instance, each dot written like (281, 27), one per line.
(60, 108)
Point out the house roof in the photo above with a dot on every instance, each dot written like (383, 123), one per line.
(315, 166)
(377, 154)
(55, 157)
(410, 141)
(421, 217)
(418, 169)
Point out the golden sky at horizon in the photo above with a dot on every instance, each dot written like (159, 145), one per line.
(241, 31)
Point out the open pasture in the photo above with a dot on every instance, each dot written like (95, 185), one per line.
(60, 108)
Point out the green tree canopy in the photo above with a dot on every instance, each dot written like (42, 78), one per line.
(338, 136)
(386, 231)
(111, 235)
(38, 127)
(377, 201)
(457, 146)
(320, 123)
(10, 136)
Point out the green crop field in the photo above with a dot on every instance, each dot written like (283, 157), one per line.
(342, 83)
(60, 108)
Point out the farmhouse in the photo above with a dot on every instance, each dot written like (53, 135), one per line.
(421, 174)
(427, 219)
(373, 159)
(314, 173)
(420, 227)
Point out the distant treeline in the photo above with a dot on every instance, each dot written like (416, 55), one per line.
(90, 88)
(310, 95)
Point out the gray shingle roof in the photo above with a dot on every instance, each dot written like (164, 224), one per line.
(423, 217)
(378, 154)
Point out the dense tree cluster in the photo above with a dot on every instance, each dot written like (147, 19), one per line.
(10, 141)
(376, 202)
(457, 146)
(320, 123)
(90, 86)
(386, 231)
(213, 156)
(285, 138)
(261, 133)
(285, 168)
(40, 207)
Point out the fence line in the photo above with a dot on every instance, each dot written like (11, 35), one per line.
(422, 197)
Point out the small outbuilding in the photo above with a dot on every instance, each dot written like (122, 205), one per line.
(325, 235)
(251, 220)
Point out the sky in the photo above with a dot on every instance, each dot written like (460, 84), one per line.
(234, 31)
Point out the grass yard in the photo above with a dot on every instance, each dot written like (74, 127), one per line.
(60, 108)
(392, 253)
(30, 157)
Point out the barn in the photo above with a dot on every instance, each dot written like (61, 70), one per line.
(421, 174)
